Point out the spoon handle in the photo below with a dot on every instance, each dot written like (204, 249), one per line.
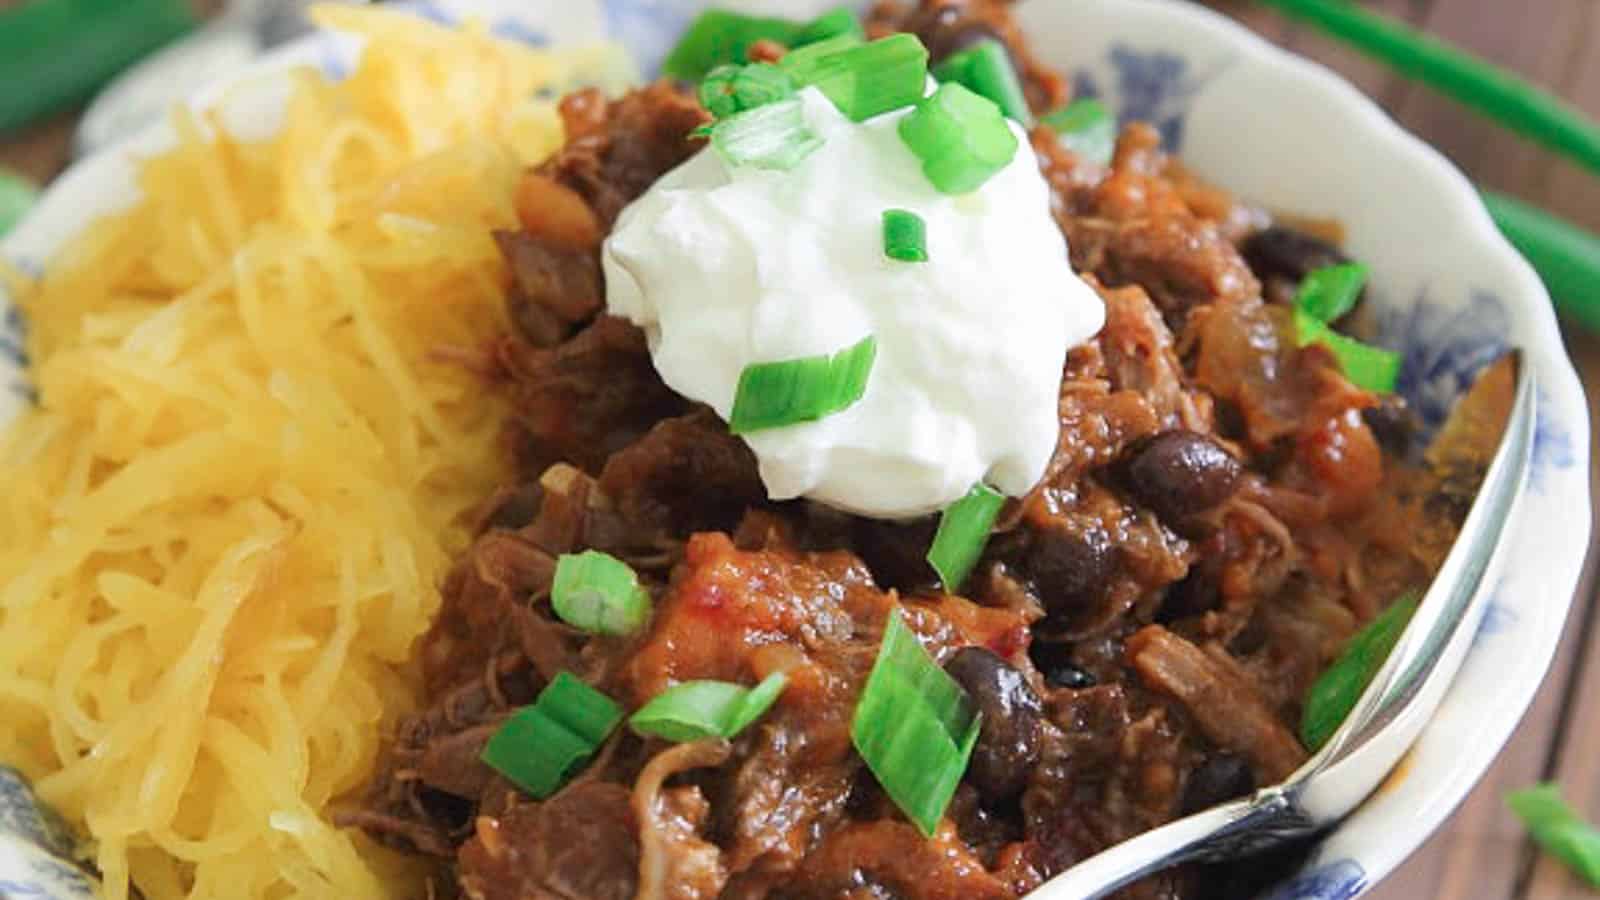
(1240, 828)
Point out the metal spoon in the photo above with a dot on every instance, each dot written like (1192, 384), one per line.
(1385, 722)
(144, 93)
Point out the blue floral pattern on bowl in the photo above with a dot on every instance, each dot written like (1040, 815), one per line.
(38, 853)
(649, 27)
(1146, 85)
(1340, 880)
(1445, 347)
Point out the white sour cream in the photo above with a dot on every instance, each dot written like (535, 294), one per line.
(724, 267)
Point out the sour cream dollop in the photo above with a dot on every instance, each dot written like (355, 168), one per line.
(728, 266)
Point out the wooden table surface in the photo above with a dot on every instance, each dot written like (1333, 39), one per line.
(1482, 854)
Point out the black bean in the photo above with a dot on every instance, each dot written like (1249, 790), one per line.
(1180, 473)
(1219, 779)
(1054, 659)
(1195, 594)
(1066, 565)
(1008, 746)
(945, 30)
(897, 552)
(1392, 423)
(1282, 252)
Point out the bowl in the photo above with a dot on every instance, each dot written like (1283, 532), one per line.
(1450, 294)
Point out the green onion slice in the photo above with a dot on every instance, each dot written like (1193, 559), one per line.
(718, 37)
(598, 593)
(731, 89)
(775, 394)
(840, 20)
(802, 59)
(905, 236)
(914, 726)
(1559, 829)
(1337, 689)
(17, 196)
(865, 80)
(986, 68)
(961, 138)
(541, 745)
(1087, 128)
(774, 136)
(963, 531)
(1327, 294)
(1369, 368)
(695, 710)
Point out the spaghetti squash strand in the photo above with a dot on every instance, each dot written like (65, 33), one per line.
(224, 525)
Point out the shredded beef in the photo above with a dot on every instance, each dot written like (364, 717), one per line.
(1222, 510)
(582, 842)
(587, 398)
(1221, 698)
(686, 474)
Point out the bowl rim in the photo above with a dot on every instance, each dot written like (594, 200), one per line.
(1528, 301)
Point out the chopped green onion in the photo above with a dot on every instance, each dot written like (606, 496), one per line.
(17, 196)
(718, 37)
(1369, 368)
(905, 236)
(702, 709)
(963, 532)
(716, 91)
(1328, 293)
(1087, 128)
(774, 136)
(986, 68)
(730, 89)
(914, 726)
(598, 593)
(775, 394)
(866, 79)
(1559, 829)
(541, 745)
(831, 24)
(961, 138)
(1337, 689)
(802, 59)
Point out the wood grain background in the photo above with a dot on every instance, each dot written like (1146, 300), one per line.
(1482, 854)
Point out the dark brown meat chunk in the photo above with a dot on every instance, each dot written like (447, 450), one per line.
(1134, 227)
(616, 149)
(890, 859)
(581, 843)
(686, 474)
(587, 398)
(1223, 702)
(555, 288)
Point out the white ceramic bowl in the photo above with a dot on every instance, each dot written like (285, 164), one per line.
(1266, 124)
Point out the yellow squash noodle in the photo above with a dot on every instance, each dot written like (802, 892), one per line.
(225, 522)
